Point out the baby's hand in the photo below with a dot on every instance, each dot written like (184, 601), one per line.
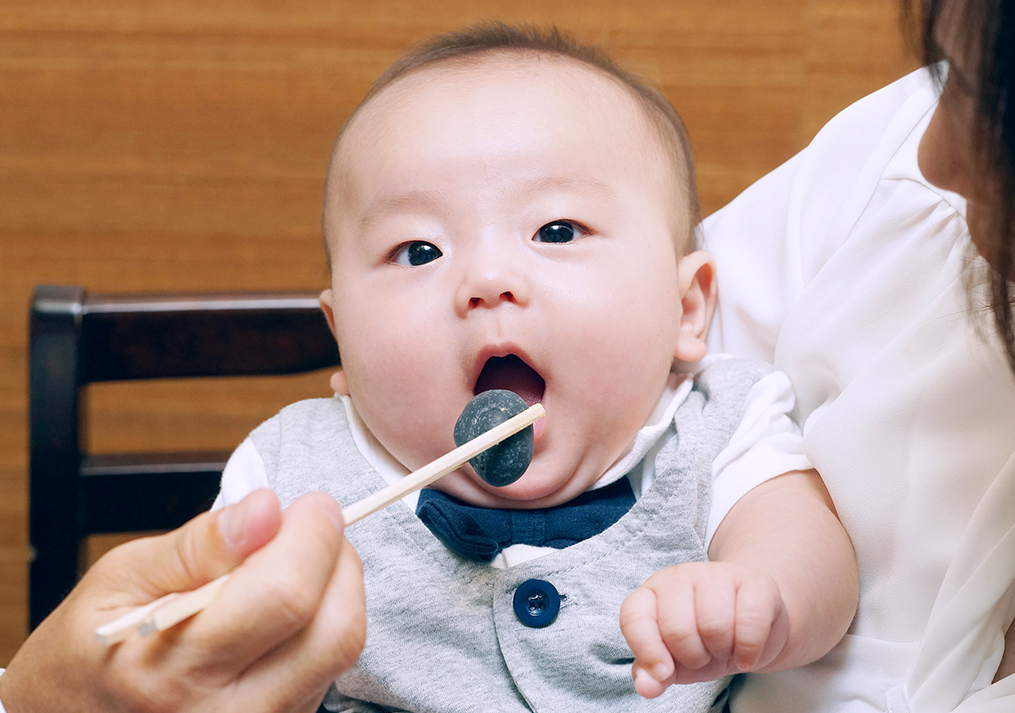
(700, 621)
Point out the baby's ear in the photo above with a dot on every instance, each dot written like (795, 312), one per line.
(696, 276)
(338, 381)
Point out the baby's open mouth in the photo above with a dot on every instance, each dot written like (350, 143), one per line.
(511, 373)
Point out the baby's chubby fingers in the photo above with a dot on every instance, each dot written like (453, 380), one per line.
(762, 623)
(699, 621)
(672, 611)
(653, 666)
(715, 601)
(678, 604)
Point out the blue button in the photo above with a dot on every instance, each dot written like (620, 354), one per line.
(536, 603)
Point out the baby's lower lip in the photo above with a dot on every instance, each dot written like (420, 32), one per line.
(539, 428)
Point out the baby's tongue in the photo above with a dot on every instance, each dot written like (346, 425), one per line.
(513, 374)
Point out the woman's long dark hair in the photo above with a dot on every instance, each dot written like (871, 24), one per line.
(989, 31)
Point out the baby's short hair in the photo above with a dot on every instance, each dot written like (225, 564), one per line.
(485, 38)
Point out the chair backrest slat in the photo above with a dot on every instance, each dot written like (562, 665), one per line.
(169, 336)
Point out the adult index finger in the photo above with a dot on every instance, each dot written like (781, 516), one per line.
(274, 593)
(318, 653)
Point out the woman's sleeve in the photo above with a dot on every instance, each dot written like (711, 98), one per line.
(776, 236)
(765, 444)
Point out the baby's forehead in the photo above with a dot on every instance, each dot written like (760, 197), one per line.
(534, 66)
(479, 106)
(515, 75)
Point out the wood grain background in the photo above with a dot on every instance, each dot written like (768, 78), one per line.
(181, 145)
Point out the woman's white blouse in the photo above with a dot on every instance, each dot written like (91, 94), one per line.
(845, 268)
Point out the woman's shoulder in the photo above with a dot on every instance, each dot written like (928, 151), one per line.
(777, 235)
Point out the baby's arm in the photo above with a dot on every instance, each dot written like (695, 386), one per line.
(779, 591)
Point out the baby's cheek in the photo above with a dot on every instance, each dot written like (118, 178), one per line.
(414, 425)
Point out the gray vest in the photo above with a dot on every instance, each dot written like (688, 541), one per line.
(442, 633)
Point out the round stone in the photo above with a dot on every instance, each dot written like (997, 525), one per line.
(505, 462)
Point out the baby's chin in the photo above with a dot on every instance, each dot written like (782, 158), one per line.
(533, 490)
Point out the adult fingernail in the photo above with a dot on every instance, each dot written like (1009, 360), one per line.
(334, 511)
(233, 524)
(324, 502)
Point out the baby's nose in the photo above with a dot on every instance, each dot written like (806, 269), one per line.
(492, 278)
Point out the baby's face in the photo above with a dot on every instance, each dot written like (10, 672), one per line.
(506, 225)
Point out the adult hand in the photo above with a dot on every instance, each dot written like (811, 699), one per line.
(290, 619)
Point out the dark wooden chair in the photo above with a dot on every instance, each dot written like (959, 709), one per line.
(77, 339)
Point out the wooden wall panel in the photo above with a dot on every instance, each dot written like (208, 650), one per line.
(852, 48)
(155, 145)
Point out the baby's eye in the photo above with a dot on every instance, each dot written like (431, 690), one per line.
(416, 253)
(559, 231)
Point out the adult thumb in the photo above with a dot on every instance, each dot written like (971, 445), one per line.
(208, 546)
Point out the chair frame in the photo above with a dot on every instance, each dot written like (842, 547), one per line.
(78, 338)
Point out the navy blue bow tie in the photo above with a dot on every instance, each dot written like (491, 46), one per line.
(480, 533)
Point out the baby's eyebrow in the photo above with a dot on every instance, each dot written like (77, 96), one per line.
(418, 200)
(577, 184)
(431, 201)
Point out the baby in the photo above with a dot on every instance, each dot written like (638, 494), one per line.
(508, 209)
